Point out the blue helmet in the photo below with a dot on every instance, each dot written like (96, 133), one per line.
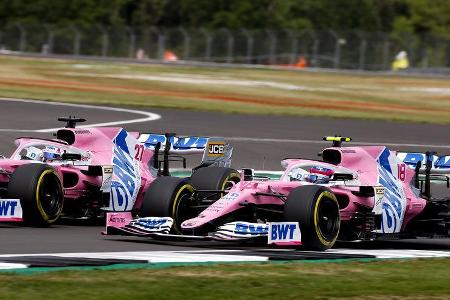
(51, 153)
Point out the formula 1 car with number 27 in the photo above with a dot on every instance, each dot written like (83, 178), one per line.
(83, 172)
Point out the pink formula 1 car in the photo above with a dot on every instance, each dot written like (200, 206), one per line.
(83, 172)
(353, 193)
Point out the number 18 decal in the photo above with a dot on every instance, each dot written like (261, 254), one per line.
(401, 172)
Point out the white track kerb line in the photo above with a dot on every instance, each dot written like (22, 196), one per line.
(149, 116)
(218, 256)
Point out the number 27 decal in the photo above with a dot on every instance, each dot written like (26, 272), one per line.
(139, 151)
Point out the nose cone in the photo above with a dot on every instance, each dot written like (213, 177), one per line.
(223, 206)
(191, 223)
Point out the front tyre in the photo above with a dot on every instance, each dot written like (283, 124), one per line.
(317, 211)
(40, 192)
(169, 197)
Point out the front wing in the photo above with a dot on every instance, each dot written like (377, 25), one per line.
(10, 210)
(158, 228)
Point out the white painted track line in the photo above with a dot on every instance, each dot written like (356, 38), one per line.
(397, 253)
(230, 255)
(157, 256)
(149, 116)
(9, 266)
(171, 256)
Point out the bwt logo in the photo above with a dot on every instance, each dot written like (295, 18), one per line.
(282, 231)
(243, 228)
(125, 181)
(443, 162)
(178, 143)
(8, 208)
(152, 223)
(394, 202)
(216, 149)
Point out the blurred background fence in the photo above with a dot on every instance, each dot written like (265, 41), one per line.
(323, 49)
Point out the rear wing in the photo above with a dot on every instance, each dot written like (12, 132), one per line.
(178, 144)
(216, 151)
(428, 167)
(439, 164)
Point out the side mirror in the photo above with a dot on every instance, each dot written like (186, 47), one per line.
(248, 174)
(70, 156)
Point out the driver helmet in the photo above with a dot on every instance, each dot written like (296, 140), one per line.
(51, 153)
(319, 174)
(316, 178)
(297, 174)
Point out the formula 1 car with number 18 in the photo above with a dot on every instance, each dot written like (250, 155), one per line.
(351, 194)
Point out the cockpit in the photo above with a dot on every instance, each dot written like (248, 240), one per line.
(49, 151)
(318, 173)
(309, 173)
(43, 153)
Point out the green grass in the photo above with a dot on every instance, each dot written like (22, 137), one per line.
(388, 279)
(232, 90)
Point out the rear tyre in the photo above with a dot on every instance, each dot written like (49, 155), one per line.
(169, 197)
(40, 192)
(317, 211)
(216, 179)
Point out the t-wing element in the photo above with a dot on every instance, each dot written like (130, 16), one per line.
(217, 153)
(337, 140)
(71, 122)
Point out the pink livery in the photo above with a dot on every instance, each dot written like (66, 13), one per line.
(82, 172)
(351, 194)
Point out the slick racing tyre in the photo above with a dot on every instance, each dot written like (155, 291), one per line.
(40, 192)
(215, 179)
(169, 197)
(317, 211)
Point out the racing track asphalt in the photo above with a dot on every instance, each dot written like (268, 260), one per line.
(285, 136)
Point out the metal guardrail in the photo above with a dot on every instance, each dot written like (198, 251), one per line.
(353, 50)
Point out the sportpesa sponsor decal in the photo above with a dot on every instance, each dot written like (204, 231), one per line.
(126, 179)
(83, 131)
(230, 196)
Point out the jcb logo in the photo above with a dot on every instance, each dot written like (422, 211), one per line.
(216, 149)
